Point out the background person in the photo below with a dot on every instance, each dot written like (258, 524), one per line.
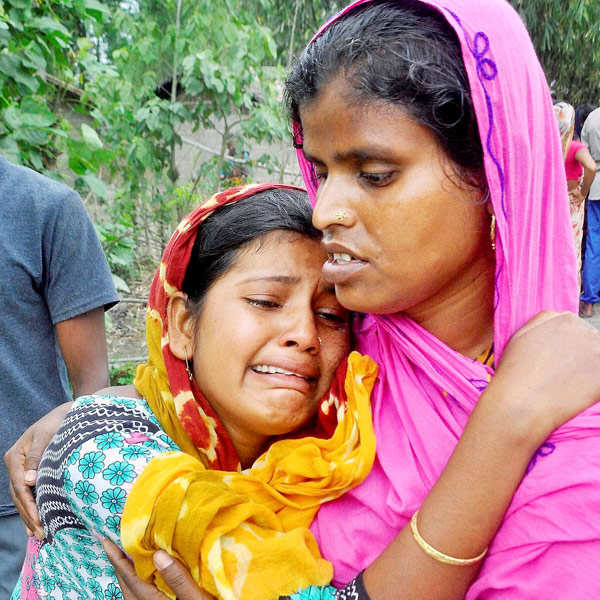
(582, 112)
(56, 285)
(580, 169)
(590, 136)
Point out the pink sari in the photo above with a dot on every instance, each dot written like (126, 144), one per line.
(549, 542)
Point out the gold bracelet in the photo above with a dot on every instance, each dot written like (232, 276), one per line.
(436, 554)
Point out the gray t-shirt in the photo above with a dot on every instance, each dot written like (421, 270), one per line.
(52, 268)
(590, 136)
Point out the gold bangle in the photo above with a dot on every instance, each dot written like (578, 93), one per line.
(436, 554)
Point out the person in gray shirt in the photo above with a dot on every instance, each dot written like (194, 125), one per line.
(56, 285)
(590, 136)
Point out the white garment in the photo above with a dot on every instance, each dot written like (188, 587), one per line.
(590, 136)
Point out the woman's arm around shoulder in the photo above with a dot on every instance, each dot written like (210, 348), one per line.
(547, 375)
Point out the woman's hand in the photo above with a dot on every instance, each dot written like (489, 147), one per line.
(22, 461)
(549, 372)
(576, 197)
(134, 588)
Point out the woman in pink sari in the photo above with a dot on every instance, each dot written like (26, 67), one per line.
(410, 167)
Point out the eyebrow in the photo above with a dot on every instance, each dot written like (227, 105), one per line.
(356, 154)
(275, 278)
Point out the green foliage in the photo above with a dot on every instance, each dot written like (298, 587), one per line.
(39, 64)
(118, 243)
(566, 35)
(78, 99)
(122, 374)
(293, 22)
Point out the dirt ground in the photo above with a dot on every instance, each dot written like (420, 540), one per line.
(125, 326)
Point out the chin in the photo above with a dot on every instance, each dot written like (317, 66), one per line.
(357, 301)
(288, 424)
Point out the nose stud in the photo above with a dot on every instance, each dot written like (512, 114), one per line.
(340, 215)
(320, 340)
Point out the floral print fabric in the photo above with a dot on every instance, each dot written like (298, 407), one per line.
(96, 478)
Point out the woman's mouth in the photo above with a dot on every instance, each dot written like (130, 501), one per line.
(341, 266)
(284, 378)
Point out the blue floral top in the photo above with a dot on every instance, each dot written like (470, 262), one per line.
(83, 481)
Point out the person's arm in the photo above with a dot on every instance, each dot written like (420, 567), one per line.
(534, 391)
(82, 342)
(584, 157)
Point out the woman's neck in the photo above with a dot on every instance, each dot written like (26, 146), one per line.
(248, 447)
(462, 314)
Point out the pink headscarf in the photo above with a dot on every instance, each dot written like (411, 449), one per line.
(427, 391)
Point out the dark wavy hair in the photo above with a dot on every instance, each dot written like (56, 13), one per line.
(581, 114)
(404, 53)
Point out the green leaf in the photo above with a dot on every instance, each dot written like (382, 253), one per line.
(10, 149)
(78, 165)
(13, 117)
(36, 114)
(32, 135)
(48, 25)
(95, 184)
(30, 82)
(271, 46)
(96, 9)
(91, 137)
(120, 284)
(33, 59)
(35, 160)
(10, 64)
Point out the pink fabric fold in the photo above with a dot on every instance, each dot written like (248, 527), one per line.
(426, 391)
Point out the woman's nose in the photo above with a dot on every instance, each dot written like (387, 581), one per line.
(301, 332)
(331, 207)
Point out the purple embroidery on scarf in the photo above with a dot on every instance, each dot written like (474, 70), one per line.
(545, 449)
(486, 71)
(479, 384)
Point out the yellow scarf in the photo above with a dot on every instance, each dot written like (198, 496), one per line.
(244, 535)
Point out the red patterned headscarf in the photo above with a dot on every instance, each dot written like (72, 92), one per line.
(177, 402)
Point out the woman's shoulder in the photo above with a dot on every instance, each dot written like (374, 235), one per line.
(117, 408)
(125, 396)
(574, 147)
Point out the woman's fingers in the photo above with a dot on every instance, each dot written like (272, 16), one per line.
(21, 463)
(134, 588)
(178, 578)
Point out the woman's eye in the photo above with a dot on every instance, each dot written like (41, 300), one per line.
(333, 318)
(262, 303)
(377, 179)
(319, 177)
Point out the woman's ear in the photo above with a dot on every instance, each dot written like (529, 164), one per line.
(180, 322)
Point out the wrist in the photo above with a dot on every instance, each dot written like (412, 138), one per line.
(513, 417)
